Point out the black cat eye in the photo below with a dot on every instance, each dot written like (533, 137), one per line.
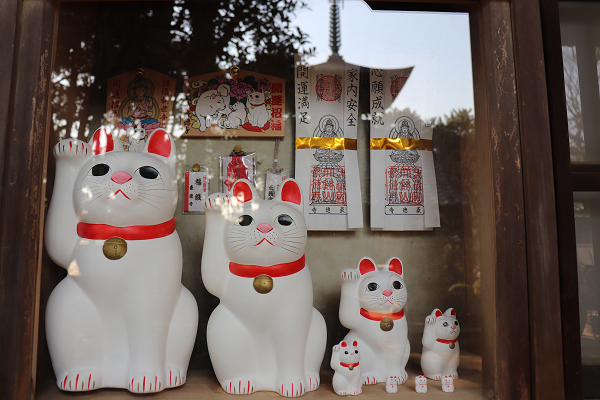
(456, 323)
(245, 220)
(355, 351)
(445, 324)
(345, 352)
(397, 285)
(285, 220)
(372, 286)
(100, 169)
(148, 172)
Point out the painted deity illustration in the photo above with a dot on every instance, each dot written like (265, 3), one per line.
(139, 110)
(328, 178)
(404, 180)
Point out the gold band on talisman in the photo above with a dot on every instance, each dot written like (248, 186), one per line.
(400, 144)
(326, 143)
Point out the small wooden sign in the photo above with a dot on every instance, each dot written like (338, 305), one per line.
(248, 104)
(140, 100)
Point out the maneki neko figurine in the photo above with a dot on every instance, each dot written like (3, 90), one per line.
(372, 307)
(265, 333)
(121, 318)
(441, 352)
(345, 361)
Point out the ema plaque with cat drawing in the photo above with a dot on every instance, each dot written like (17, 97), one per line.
(372, 307)
(121, 318)
(265, 333)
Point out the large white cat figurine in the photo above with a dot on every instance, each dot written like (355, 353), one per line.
(265, 333)
(121, 318)
(345, 361)
(372, 307)
(441, 352)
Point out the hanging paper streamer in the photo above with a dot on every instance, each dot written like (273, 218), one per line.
(403, 186)
(326, 133)
(236, 167)
(248, 104)
(139, 102)
(195, 189)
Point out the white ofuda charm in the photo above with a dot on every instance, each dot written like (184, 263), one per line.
(345, 361)
(441, 352)
(265, 333)
(421, 384)
(372, 307)
(447, 384)
(121, 318)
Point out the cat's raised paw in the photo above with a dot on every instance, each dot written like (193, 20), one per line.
(216, 201)
(350, 274)
(80, 381)
(292, 389)
(145, 384)
(239, 386)
(72, 148)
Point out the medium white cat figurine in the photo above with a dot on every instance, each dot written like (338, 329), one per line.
(372, 307)
(121, 318)
(265, 333)
(447, 384)
(421, 384)
(441, 352)
(345, 361)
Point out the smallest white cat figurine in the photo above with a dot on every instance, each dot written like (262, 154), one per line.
(440, 345)
(421, 384)
(345, 362)
(447, 384)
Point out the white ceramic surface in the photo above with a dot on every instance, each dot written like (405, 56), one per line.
(273, 340)
(441, 352)
(127, 322)
(369, 298)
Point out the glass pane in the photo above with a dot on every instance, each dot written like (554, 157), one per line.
(587, 227)
(580, 34)
(98, 41)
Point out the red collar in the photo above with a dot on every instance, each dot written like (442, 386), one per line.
(274, 271)
(373, 316)
(136, 232)
(257, 105)
(446, 341)
(348, 365)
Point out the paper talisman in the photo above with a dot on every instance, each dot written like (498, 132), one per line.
(403, 185)
(326, 141)
(195, 189)
(248, 104)
(234, 168)
(274, 181)
(138, 102)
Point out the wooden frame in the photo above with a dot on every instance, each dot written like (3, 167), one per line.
(513, 138)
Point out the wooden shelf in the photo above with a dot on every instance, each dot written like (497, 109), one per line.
(204, 384)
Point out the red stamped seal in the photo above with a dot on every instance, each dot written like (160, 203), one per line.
(328, 88)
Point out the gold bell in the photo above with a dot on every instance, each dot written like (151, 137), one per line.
(114, 248)
(350, 367)
(386, 324)
(263, 284)
(452, 345)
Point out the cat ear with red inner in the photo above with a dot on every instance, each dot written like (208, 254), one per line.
(395, 265)
(160, 143)
(366, 265)
(102, 141)
(437, 313)
(242, 191)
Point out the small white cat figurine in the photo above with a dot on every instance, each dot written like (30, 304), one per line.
(372, 307)
(121, 318)
(441, 352)
(265, 333)
(421, 384)
(447, 384)
(345, 361)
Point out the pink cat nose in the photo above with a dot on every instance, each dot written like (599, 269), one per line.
(387, 292)
(264, 227)
(120, 177)
(452, 327)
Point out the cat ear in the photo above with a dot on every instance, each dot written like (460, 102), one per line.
(355, 343)
(344, 344)
(450, 312)
(102, 141)
(242, 190)
(437, 313)
(160, 143)
(290, 192)
(366, 265)
(395, 265)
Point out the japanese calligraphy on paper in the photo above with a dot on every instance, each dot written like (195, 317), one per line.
(403, 185)
(326, 131)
